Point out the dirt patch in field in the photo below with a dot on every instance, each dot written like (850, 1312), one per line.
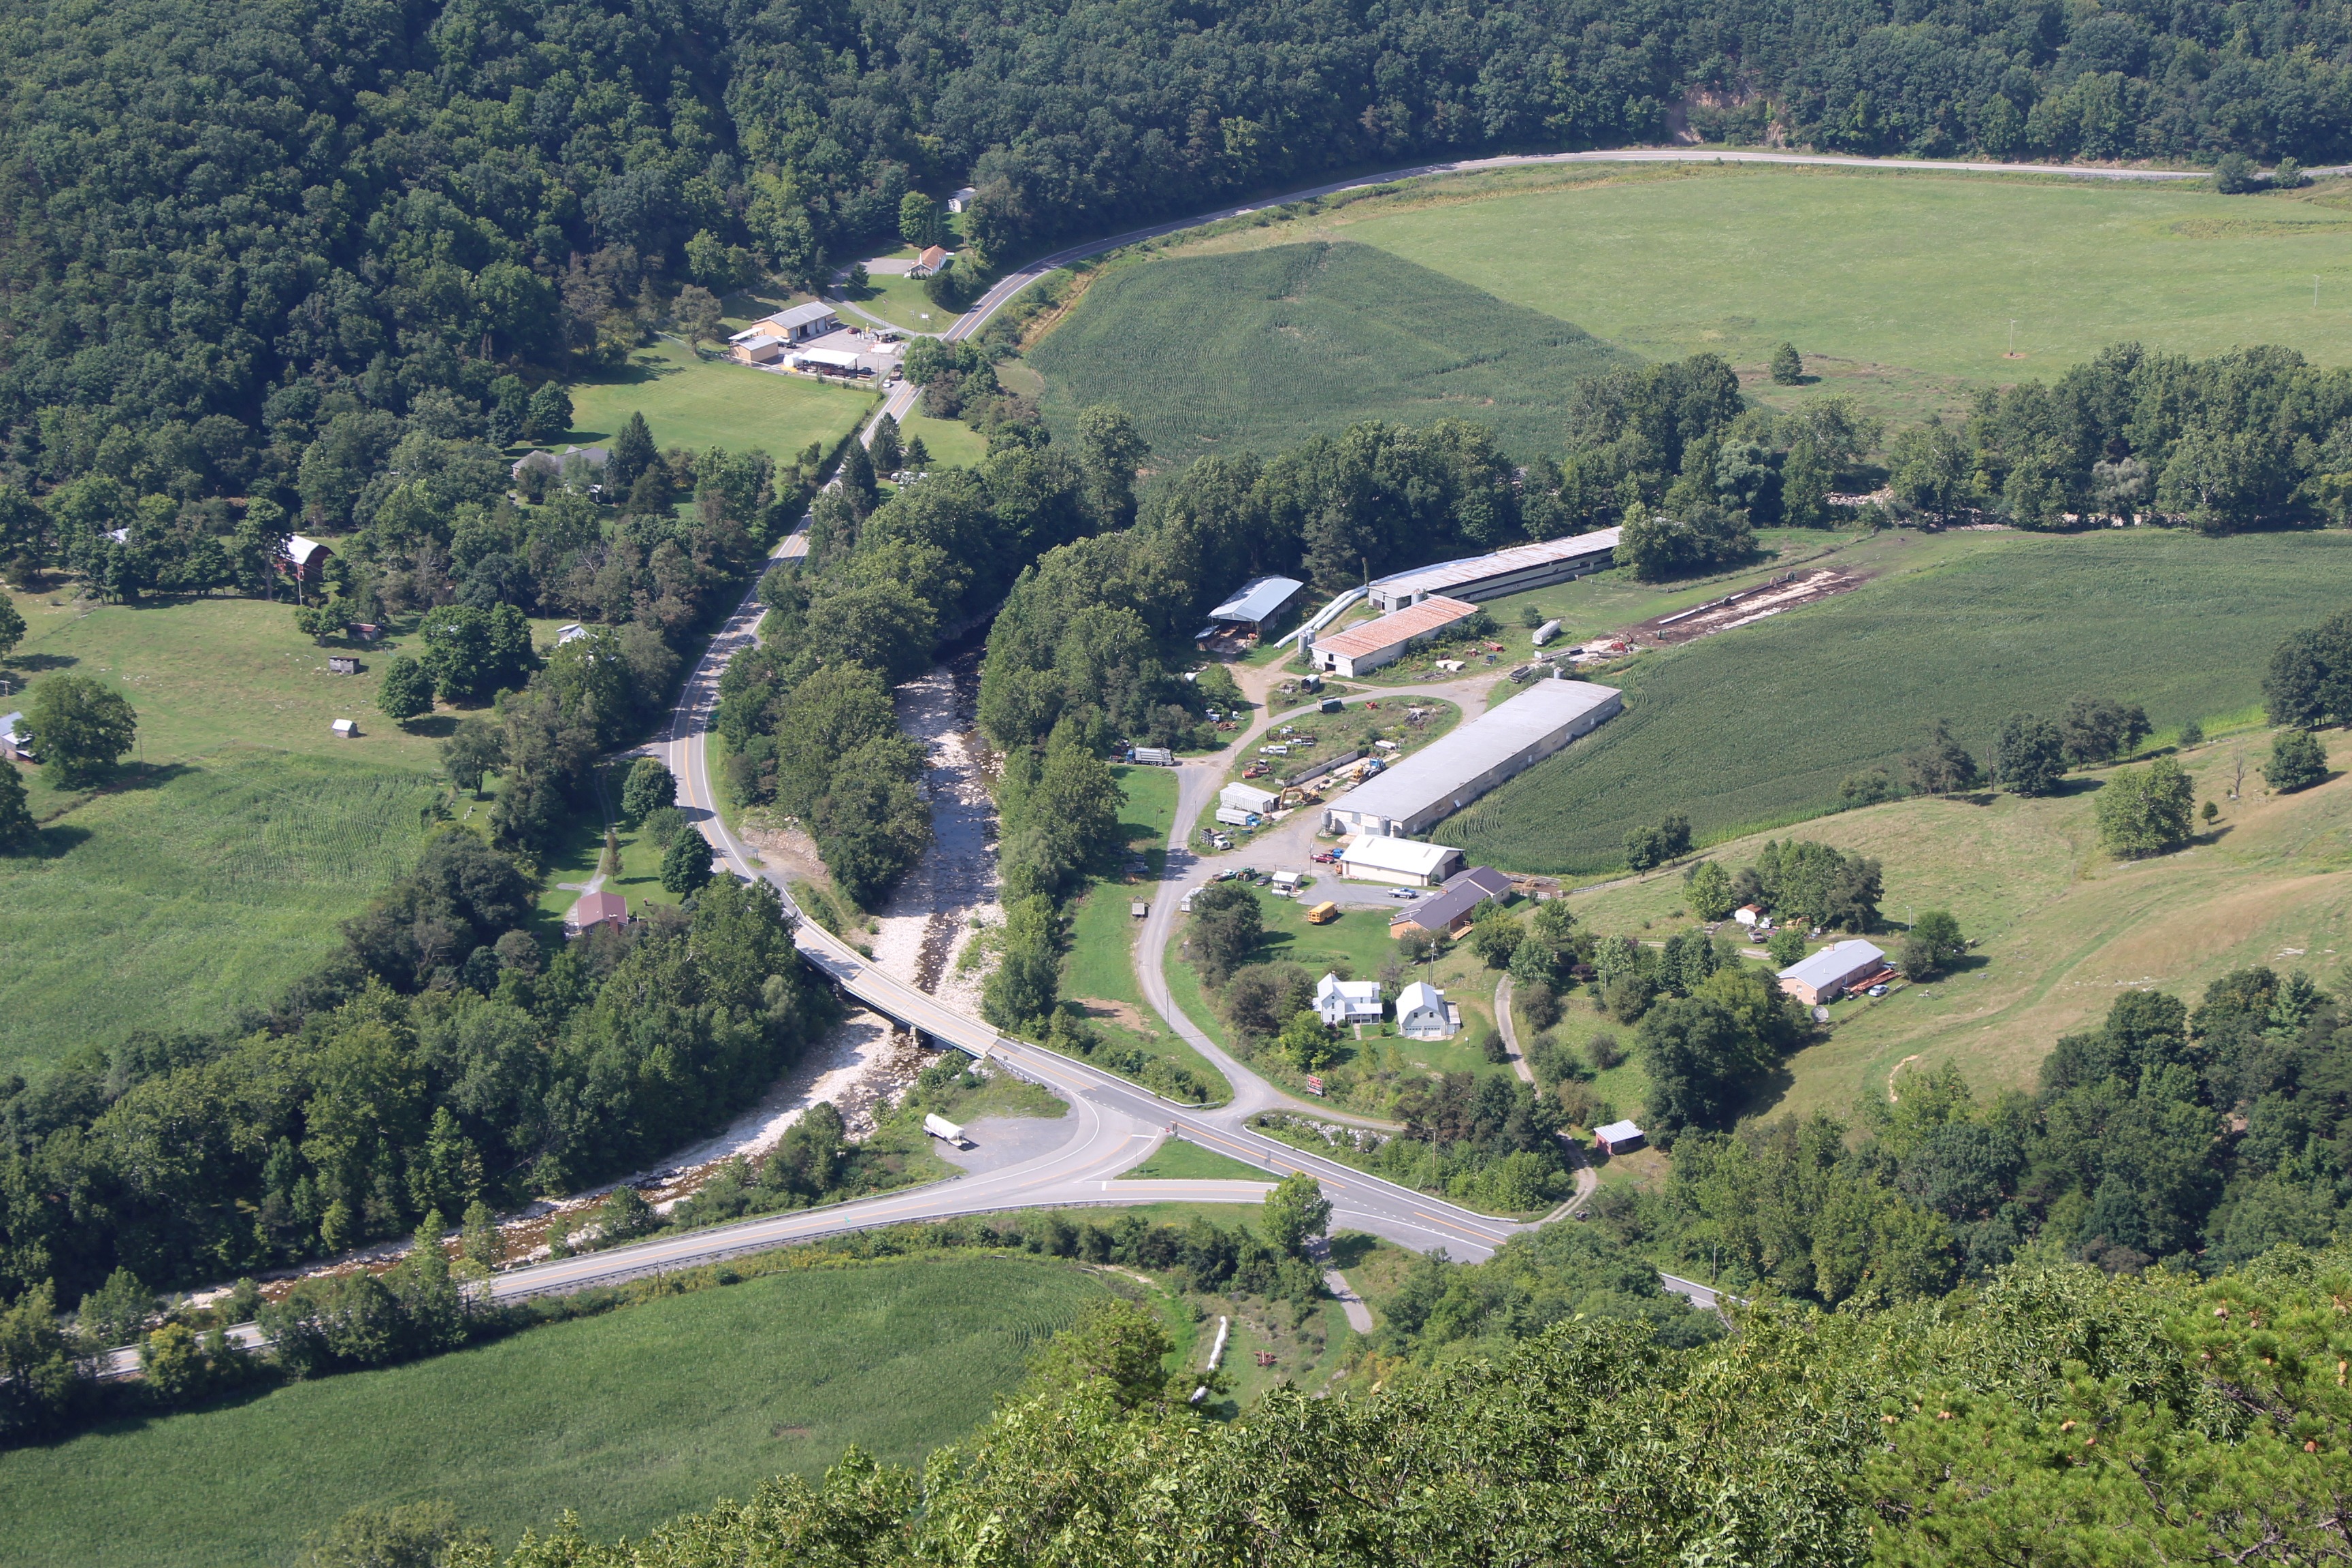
(1789, 590)
(1126, 1015)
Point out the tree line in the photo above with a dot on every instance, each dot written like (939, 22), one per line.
(442, 1063)
(2199, 1138)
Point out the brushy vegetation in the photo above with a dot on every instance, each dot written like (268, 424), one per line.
(1262, 350)
(1763, 724)
(627, 1418)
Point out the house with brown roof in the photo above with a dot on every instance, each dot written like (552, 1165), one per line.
(595, 909)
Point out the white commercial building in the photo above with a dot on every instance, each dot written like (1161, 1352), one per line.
(1247, 798)
(1423, 1013)
(1340, 1001)
(1361, 649)
(1517, 570)
(1449, 774)
(1404, 862)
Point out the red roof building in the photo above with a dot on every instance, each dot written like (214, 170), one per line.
(596, 909)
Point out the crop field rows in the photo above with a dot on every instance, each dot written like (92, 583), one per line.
(1259, 351)
(1907, 292)
(1760, 726)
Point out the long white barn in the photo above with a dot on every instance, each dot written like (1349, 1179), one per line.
(1449, 774)
(1517, 570)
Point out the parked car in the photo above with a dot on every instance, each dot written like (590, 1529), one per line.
(1406, 893)
(1878, 991)
(1328, 858)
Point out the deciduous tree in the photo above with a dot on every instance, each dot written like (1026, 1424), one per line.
(406, 692)
(1295, 1213)
(2297, 762)
(80, 726)
(2146, 811)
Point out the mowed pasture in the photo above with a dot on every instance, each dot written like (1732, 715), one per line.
(697, 403)
(1261, 349)
(1758, 726)
(2060, 928)
(1900, 289)
(215, 869)
(628, 1418)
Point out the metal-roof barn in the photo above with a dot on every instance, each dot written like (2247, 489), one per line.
(1258, 601)
(1452, 772)
(1361, 649)
(1373, 857)
(1513, 571)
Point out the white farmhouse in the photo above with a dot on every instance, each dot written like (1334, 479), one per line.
(1340, 1003)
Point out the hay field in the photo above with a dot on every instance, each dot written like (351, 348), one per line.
(629, 1418)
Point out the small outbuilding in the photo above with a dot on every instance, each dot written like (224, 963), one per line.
(1404, 862)
(1830, 973)
(1340, 1003)
(1247, 798)
(1748, 915)
(1423, 1014)
(15, 744)
(1618, 1137)
(343, 663)
(347, 729)
(595, 909)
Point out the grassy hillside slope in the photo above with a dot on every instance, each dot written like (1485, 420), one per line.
(1899, 288)
(2060, 928)
(1262, 350)
(1759, 725)
(217, 873)
(629, 1417)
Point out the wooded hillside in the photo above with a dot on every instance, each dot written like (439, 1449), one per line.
(220, 226)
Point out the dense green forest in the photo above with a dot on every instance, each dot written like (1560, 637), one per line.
(226, 231)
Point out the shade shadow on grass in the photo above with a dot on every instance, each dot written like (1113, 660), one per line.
(55, 843)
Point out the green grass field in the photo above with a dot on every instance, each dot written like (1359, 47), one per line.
(212, 885)
(698, 402)
(1262, 349)
(216, 871)
(1099, 972)
(630, 1418)
(1922, 273)
(2058, 928)
(1757, 726)
(1177, 1160)
(951, 443)
(900, 300)
(1901, 290)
